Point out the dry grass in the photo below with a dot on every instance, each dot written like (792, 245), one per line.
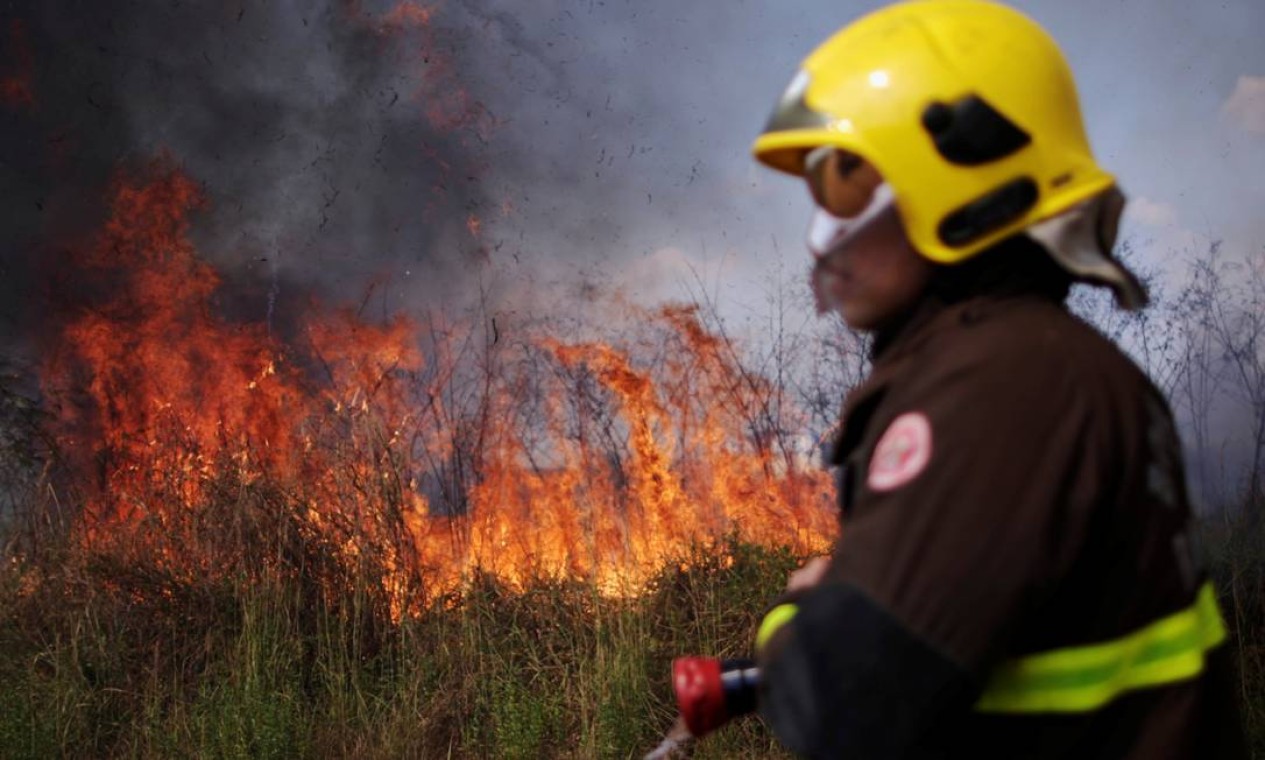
(276, 645)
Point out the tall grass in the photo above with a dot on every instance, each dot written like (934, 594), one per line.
(102, 663)
(248, 638)
(1234, 549)
(110, 658)
(104, 659)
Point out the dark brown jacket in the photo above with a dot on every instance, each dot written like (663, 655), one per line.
(1011, 484)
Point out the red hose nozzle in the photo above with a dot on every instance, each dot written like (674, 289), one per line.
(710, 692)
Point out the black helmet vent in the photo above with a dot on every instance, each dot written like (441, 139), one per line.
(970, 132)
(989, 213)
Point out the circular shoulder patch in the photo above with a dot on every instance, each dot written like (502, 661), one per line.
(902, 452)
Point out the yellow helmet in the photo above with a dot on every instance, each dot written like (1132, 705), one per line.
(966, 108)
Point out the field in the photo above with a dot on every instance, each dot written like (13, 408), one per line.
(106, 660)
(103, 659)
(433, 538)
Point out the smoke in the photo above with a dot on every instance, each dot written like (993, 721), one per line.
(336, 144)
(431, 155)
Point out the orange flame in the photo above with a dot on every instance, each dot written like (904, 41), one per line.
(545, 458)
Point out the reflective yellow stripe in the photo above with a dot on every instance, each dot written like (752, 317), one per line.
(1079, 679)
(777, 617)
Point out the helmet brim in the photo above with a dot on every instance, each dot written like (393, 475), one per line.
(785, 151)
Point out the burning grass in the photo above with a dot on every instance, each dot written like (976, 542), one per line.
(394, 538)
(438, 452)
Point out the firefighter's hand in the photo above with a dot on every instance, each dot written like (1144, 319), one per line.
(809, 575)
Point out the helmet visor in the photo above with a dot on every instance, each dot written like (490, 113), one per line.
(840, 182)
(828, 233)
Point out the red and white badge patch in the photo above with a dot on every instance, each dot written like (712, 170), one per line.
(902, 452)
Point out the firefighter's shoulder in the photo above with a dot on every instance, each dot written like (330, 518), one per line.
(1036, 343)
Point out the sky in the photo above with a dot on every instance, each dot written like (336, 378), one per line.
(547, 158)
(1173, 94)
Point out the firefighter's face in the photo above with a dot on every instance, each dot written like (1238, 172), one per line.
(866, 268)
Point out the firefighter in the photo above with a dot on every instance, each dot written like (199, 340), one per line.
(1015, 576)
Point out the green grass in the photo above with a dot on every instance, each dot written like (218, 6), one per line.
(107, 656)
(93, 668)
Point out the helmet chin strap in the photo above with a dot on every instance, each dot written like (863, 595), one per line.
(1080, 240)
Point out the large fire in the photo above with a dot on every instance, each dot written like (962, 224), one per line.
(442, 453)
(206, 445)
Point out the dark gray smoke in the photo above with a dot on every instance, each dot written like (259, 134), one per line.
(327, 137)
(342, 144)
